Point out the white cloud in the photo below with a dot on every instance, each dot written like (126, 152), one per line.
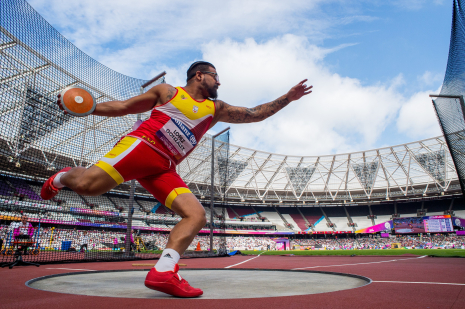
(417, 118)
(340, 115)
(129, 35)
(430, 79)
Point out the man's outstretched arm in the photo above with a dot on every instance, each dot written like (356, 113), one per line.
(135, 105)
(237, 114)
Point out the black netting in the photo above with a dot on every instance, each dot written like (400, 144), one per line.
(454, 80)
(449, 106)
(37, 140)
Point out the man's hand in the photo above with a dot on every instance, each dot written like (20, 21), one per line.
(298, 91)
(60, 105)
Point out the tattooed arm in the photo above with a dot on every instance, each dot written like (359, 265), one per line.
(236, 114)
(139, 104)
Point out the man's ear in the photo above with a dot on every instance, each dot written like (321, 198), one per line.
(198, 76)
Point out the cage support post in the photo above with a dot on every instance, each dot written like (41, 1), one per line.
(212, 190)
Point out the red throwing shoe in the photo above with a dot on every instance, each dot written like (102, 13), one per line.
(170, 282)
(48, 190)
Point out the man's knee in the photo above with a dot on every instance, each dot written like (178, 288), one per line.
(187, 206)
(198, 215)
(202, 219)
(85, 187)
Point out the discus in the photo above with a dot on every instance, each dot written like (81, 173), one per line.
(77, 101)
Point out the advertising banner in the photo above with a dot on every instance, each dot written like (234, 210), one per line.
(385, 226)
(458, 222)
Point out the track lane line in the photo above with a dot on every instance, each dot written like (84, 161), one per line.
(420, 257)
(72, 269)
(444, 283)
(244, 261)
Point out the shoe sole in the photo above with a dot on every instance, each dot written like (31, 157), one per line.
(162, 287)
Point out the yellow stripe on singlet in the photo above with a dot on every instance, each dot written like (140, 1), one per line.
(173, 194)
(121, 147)
(110, 171)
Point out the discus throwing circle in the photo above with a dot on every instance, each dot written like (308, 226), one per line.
(216, 283)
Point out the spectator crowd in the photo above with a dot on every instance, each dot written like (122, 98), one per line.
(105, 240)
(443, 241)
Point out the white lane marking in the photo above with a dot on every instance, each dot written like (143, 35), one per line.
(419, 282)
(244, 261)
(360, 263)
(72, 269)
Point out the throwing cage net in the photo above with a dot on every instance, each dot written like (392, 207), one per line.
(208, 175)
(449, 104)
(222, 186)
(37, 140)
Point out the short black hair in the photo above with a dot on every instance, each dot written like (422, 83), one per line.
(198, 66)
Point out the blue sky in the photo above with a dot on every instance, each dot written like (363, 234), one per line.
(400, 40)
(372, 63)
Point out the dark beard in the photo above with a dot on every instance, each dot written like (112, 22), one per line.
(212, 91)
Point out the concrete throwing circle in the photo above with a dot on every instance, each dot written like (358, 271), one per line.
(216, 283)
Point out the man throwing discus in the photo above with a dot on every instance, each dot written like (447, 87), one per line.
(180, 117)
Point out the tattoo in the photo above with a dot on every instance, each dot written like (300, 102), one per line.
(235, 114)
(171, 93)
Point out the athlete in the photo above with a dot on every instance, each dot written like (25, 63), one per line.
(180, 117)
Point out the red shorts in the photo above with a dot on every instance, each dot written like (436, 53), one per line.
(132, 158)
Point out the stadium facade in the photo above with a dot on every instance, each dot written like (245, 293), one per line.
(265, 193)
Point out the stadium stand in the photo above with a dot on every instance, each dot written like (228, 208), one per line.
(36, 188)
(338, 217)
(23, 189)
(371, 243)
(220, 211)
(150, 206)
(321, 225)
(290, 222)
(287, 180)
(270, 214)
(382, 212)
(459, 208)
(238, 211)
(312, 214)
(5, 189)
(53, 238)
(292, 217)
(408, 209)
(68, 198)
(360, 216)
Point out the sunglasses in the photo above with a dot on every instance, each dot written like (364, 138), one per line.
(217, 77)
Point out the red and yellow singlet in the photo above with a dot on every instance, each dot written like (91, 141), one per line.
(176, 127)
(150, 152)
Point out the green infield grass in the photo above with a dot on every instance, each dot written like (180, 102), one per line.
(429, 252)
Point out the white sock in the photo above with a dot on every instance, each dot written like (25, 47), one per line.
(168, 260)
(56, 181)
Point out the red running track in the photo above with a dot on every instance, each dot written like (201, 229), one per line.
(406, 287)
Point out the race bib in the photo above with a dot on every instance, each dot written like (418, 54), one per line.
(177, 137)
